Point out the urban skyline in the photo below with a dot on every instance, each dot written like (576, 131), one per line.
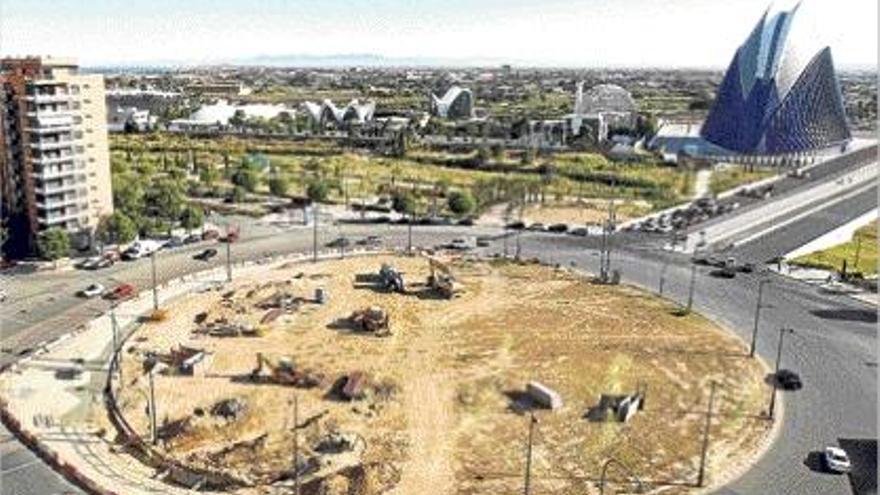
(586, 33)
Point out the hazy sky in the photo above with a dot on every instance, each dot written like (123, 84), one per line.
(692, 33)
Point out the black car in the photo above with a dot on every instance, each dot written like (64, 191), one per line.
(206, 254)
(339, 242)
(559, 228)
(788, 380)
(516, 226)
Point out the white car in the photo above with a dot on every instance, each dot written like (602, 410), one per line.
(93, 290)
(836, 460)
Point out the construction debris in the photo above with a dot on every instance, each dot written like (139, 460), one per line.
(224, 328)
(441, 278)
(283, 372)
(354, 385)
(373, 319)
(184, 360)
(391, 279)
(622, 407)
(544, 395)
(229, 409)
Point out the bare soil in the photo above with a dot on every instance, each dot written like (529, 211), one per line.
(445, 413)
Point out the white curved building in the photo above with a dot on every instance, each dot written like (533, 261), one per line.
(457, 103)
(603, 98)
(327, 113)
(219, 113)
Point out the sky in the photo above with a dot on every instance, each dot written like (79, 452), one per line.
(574, 33)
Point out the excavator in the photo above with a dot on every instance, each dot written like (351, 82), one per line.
(282, 371)
(441, 278)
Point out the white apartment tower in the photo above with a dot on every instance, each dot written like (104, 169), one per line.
(55, 164)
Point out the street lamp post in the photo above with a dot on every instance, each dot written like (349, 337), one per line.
(758, 307)
(705, 449)
(154, 436)
(693, 283)
(155, 287)
(772, 408)
(527, 488)
(315, 232)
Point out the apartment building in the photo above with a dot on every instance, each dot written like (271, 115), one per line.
(55, 163)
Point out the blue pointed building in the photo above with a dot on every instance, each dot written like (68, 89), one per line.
(780, 94)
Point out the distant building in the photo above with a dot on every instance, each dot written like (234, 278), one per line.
(326, 114)
(119, 119)
(215, 89)
(217, 115)
(613, 103)
(457, 103)
(55, 165)
(780, 94)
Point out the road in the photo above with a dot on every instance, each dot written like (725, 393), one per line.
(833, 349)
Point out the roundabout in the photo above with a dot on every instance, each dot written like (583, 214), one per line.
(444, 400)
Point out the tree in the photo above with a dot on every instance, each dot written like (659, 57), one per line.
(239, 195)
(117, 228)
(237, 119)
(317, 191)
(461, 202)
(483, 155)
(246, 177)
(53, 244)
(165, 199)
(403, 202)
(528, 156)
(192, 217)
(279, 185)
(497, 150)
(128, 195)
(208, 175)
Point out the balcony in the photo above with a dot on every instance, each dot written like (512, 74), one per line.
(47, 160)
(64, 218)
(54, 204)
(53, 145)
(56, 98)
(57, 189)
(55, 174)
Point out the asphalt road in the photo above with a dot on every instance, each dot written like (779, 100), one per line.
(833, 349)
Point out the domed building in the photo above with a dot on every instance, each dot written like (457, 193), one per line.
(457, 103)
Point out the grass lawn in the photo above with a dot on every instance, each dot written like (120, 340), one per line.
(863, 243)
(729, 178)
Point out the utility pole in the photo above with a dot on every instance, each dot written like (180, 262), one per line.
(228, 259)
(527, 488)
(690, 302)
(153, 433)
(155, 288)
(115, 327)
(315, 231)
(772, 409)
(758, 307)
(705, 449)
(295, 445)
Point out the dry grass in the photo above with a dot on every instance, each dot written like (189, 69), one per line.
(450, 427)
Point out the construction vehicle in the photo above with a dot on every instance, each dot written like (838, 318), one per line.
(441, 278)
(282, 371)
(391, 279)
(372, 319)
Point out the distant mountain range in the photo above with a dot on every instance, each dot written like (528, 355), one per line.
(368, 60)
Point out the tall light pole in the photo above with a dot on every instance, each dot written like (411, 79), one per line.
(692, 285)
(705, 449)
(315, 231)
(758, 307)
(772, 409)
(527, 487)
(154, 436)
(155, 287)
(115, 328)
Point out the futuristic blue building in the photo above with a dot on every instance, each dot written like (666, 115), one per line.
(780, 94)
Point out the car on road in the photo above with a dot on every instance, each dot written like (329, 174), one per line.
(121, 292)
(788, 380)
(463, 243)
(536, 227)
(142, 248)
(558, 228)
(93, 290)
(515, 226)
(370, 241)
(836, 460)
(339, 242)
(206, 254)
(192, 239)
(483, 241)
(580, 232)
(210, 234)
(174, 242)
(230, 237)
(466, 222)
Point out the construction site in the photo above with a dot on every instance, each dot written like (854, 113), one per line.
(433, 373)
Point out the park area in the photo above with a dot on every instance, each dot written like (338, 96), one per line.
(859, 254)
(432, 394)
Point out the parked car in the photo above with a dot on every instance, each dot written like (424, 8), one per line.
(466, 222)
(463, 244)
(206, 254)
(537, 227)
(339, 242)
(580, 232)
(230, 237)
(788, 380)
(516, 226)
(192, 239)
(93, 290)
(142, 248)
(836, 460)
(483, 241)
(174, 242)
(210, 234)
(558, 228)
(121, 292)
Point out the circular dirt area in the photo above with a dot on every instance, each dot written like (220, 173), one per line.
(441, 405)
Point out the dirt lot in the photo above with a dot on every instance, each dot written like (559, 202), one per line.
(445, 412)
(587, 212)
